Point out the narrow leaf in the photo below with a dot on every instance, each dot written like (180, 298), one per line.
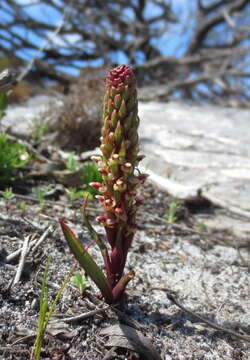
(94, 235)
(42, 313)
(87, 262)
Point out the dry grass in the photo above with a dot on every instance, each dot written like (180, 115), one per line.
(78, 122)
(20, 93)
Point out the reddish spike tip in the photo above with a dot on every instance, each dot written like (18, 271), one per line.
(120, 74)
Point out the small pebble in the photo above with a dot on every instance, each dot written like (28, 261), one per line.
(34, 304)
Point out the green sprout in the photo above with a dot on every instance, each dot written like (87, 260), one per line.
(80, 281)
(118, 166)
(202, 226)
(74, 194)
(40, 194)
(39, 129)
(8, 194)
(172, 211)
(21, 206)
(72, 163)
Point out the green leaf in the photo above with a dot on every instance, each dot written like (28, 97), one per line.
(87, 262)
(79, 280)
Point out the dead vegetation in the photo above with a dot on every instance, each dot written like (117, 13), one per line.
(78, 122)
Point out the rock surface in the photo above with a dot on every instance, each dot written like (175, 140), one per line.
(20, 117)
(200, 149)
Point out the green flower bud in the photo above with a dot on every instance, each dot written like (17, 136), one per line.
(117, 101)
(114, 118)
(118, 134)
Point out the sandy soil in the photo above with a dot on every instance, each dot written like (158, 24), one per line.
(207, 271)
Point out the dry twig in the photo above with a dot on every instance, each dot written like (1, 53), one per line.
(84, 315)
(24, 252)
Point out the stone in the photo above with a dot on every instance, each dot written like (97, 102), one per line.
(204, 149)
(19, 118)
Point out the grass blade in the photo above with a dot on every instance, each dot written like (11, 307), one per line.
(42, 313)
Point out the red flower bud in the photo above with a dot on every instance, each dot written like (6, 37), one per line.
(95, 185)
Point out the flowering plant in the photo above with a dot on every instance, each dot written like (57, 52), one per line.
(118, 166)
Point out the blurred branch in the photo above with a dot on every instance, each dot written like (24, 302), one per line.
(46, 69)
(193, 60)
(163, 92)
(212, 21)
(43, 47)
(214, 61)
